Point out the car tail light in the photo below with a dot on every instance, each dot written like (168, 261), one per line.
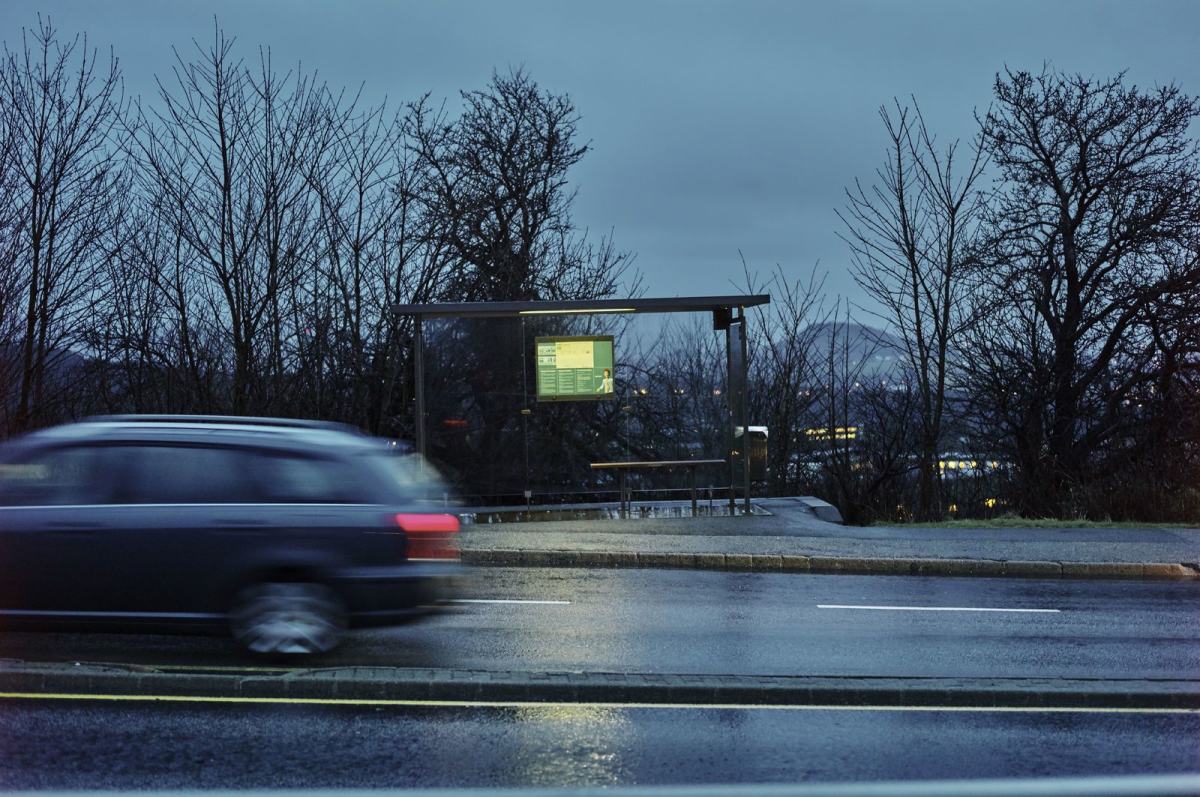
(430, 536)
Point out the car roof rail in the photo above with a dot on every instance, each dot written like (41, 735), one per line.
(241, 420)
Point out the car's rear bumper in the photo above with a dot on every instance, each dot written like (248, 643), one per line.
(389, 595)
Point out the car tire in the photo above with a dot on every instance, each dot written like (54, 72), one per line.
(287, 619)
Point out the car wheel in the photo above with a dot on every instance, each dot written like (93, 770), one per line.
(288, 619)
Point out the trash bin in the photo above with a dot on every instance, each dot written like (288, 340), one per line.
(756, 446)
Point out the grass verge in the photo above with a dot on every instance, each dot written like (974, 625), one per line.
(1014, 522)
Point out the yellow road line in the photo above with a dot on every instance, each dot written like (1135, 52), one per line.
(321, 701)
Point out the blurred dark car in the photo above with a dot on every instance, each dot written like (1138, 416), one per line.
(284, 532)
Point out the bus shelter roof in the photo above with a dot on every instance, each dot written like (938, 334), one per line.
(675, 304)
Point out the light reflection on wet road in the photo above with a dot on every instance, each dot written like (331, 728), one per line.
(91, 745)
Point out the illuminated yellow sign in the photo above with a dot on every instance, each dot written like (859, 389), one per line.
(573, 354)
(575, 368)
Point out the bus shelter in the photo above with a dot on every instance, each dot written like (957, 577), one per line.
(728, 315)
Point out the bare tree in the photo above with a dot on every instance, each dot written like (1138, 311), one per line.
(784, 366)
(226, 158)
(497, 180)
(1093, 232)
(11, 282)
(861, 428)
(494, 185)
(380, 247)
(61, 112)
(911, 236)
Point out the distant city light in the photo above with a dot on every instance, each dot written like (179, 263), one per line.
(838, 433)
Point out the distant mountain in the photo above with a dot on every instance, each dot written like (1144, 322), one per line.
(879, 353)
(58, 361)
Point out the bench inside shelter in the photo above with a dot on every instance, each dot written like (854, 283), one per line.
(623, 468)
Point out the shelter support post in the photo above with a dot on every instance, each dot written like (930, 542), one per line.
(419, 386)
(693, 475)
(744, 421)
(736, 388)
(731, 391)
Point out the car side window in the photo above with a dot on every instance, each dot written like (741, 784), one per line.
(288, 478)
(58, 477)
(186, 475)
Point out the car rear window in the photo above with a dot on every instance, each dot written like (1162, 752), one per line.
(286, 477)
(407, 477)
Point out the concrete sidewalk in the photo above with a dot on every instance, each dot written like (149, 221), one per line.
(792, 539)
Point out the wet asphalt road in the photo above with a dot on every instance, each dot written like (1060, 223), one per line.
(650, 621)
(92, 745)
(679, 621)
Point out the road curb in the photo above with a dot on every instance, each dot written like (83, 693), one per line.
(858, 565)
(411, 684)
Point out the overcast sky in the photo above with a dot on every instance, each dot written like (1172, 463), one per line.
(716, 126)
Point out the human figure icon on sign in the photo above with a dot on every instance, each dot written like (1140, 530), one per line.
(606, 384)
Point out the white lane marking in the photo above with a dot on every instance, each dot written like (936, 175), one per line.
(503, 600)
(934, 608)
